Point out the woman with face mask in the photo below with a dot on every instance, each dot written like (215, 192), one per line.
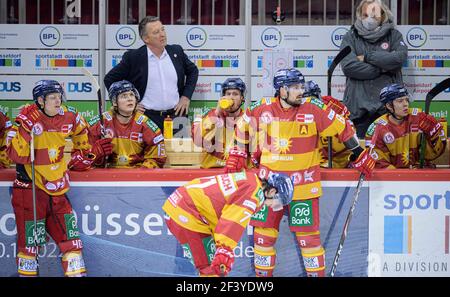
(378, 53)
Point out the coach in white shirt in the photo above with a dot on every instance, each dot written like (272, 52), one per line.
(163, 75)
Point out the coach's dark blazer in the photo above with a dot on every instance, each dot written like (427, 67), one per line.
(134, 68)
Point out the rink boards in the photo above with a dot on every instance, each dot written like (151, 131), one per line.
(400, 225)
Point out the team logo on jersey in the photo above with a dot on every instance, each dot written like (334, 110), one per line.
(226, 184)
(385, 45)
(388, 138)
(304, 118)
(266, 117)
(303, 129)
(136, 136)
(66, 128)
(38, 129)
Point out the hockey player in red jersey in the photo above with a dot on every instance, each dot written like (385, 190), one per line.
(288, 128)
(209, 215)
(137, 140)
(395, 136)
(214, 131)
(5, 127)
(48, 123)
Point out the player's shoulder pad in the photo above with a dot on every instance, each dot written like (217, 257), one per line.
(152, 125)
(69, 108)
(317, 102)
(140, 118)
(94, 120)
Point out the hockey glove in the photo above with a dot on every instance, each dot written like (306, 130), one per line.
(429, 125)
(364, 163)
(336, 105)
(28, 117)
(223, 261)
(102, 148)
(236, 161)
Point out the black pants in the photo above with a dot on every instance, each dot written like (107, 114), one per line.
(181, 125)
(363, 123)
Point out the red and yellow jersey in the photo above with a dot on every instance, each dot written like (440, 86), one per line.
(289, 139)
(5, 126)
(214, 132)
(397, 145)
(50, 135)
(221, 205)
(138, 143)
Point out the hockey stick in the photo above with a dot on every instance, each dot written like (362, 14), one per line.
(33, 191)
(346, 224)
(339, 57)
(94, 82)
(443, 85)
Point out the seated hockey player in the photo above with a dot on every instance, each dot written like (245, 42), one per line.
(5, 127)
(395, 136)
(218, 209)
(137, 140)
(214, 130)
(45, 125)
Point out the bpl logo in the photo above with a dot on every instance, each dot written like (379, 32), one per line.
(75, 87)
(196, 37)
(271, 37)
(416, 37)
(126, 36)
(13, 86)
(337, 35)
(49, 36)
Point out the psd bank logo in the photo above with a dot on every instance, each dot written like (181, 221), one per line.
(271, 37)
(49, 36)
(337, 35)
(125, 36)
(196, 37)
(416, 37)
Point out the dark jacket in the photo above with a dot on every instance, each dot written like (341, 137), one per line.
(134, 68)
(383, 61)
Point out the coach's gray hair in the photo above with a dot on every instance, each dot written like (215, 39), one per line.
(144, 22)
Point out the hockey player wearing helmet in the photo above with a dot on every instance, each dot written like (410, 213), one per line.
(395, 136)
(290, 126)
(48, 123)
(137, 140)
(223, 204)
(214, 130)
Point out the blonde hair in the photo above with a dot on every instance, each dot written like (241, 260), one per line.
(386, 14)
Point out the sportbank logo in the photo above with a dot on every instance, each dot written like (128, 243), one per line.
(416, 37)
(271, 37)
(337, 35)
(125, 36)
(49, 36)
(196, 37)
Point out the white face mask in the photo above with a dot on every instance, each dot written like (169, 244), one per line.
(370, 23)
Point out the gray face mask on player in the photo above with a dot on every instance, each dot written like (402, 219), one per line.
(370, 23)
